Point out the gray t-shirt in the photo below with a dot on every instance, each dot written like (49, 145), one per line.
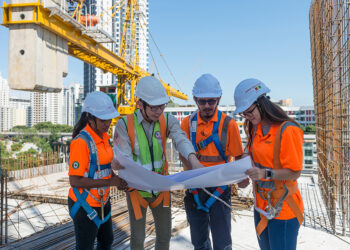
(174, 132)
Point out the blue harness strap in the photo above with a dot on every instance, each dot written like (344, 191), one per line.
(201, 145)
(81, 198)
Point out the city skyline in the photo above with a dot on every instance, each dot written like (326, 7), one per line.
(233, 41)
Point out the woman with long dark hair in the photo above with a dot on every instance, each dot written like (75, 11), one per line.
(90, 173)
(274, 142)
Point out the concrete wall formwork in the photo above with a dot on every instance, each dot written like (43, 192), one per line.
(330, 46)
(38, 59)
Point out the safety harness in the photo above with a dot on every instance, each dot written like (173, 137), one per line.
(95, 172)
(279, 190)
(136, 198)
(203, 144)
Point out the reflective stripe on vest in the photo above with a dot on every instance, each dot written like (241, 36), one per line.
(93, 172)
(142, 154)
(141, 149)
(277, 188)
(220, 142)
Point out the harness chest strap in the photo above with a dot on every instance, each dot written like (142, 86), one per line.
(221, 148)
(137, 201)
(277, 194)
(81, 198)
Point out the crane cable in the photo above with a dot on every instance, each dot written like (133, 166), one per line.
(161, 55)
(114, 13)
(153, 60)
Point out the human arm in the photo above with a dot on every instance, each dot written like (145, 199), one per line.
(235, 149)
(191, 163)
(84, 182)
(121, 140)
(182, 144)
(79, 165)
(291, 157)
(256, 173)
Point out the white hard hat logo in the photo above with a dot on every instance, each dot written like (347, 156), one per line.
(247, 92)
(256, 88)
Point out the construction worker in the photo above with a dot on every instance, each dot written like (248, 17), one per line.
(216, 139)
(275, 144)
(142, 136)
(90, 173)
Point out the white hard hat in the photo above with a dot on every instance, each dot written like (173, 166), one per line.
(207, 86)
(100, 105)
(247, 92)
(152, 91)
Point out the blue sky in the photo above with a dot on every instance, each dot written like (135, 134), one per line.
(231, 39)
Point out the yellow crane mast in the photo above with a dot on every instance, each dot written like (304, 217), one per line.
(83, 41)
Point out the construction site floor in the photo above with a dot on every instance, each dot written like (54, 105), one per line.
(33, 224)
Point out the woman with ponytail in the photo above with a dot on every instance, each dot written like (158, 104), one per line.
(90, 173)
(275, 144)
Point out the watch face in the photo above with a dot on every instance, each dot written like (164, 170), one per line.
(268, 173)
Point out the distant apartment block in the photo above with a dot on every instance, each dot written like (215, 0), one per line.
(5, 110)
(73, 99)
(304, 115)
(21, 111)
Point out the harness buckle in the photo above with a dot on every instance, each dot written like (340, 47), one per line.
(92, 215)
(200, 145)
(274, 211)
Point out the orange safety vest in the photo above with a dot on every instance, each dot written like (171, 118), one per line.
(279, 190)
(137, 200)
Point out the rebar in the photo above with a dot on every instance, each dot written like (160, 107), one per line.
(330, 46)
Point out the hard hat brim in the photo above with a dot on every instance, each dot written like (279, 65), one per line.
(158, 101)
(242, 109)
(206, 95)
(108, 116)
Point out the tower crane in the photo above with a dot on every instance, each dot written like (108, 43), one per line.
(44, 32)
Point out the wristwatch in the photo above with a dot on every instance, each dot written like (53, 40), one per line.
(269, 174)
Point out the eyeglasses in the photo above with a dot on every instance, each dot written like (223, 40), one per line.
(246, 113)
(211, 102)
(155, 108)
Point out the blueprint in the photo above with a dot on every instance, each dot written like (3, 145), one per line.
(138, 177)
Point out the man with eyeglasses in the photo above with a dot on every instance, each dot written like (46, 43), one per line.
(142, 136)
(216, 139)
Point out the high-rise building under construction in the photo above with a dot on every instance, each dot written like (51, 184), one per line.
(112, 22)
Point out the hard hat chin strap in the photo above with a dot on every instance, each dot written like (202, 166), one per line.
(145, 104)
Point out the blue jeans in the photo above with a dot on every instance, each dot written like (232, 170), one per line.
(279, 234)
(86, 230)
(218, 221)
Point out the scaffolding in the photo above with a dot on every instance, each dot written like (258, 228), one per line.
(330, 50)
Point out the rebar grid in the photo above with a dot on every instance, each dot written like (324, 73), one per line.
(330, 51)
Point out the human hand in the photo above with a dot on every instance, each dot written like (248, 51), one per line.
(195, 164)
(116, 165)
(120, 183)
(255, 173)
(243, 183)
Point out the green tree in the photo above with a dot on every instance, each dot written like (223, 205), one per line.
(302, 127)
(19, 128)
(16, 147)
(43, 126)
(4, 153)
(310, 129)
(31, 152)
